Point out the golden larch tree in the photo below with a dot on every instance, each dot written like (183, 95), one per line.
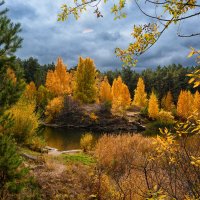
(185, 104)
(153, 107)
(85, 81)
(105, 93)
(121, 98)
(58, 81)
(181, 108)
(51, 82)
(190, 101)
(140, 97)
(167, 102)
(72, 80)
(196, 104)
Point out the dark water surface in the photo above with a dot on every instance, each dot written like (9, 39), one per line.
(65, 139)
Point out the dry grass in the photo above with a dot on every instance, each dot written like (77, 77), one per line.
(137, 165)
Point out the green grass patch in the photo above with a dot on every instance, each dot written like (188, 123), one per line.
(78, 158)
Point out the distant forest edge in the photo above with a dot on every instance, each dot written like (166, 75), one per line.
(161, 79)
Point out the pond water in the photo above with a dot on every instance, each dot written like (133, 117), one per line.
(65, 139)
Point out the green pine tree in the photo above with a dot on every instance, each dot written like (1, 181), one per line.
(11, 171)
(11, 84)
(10, 41)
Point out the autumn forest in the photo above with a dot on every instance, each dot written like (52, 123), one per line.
(137, 134)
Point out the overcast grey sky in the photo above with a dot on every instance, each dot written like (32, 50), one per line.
(45, 38)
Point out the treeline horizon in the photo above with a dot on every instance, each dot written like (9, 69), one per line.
(161, 79)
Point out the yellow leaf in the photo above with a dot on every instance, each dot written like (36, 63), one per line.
(191, 54)
(196, 84)
(191, 80)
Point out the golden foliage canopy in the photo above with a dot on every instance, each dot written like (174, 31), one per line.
(58, 81)
(140, 97)
(105, 93)
(85, 81)
(185, 104)
(153, 108)
(121, 96)
(196, 104)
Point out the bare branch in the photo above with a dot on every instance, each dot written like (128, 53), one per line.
(165, 2)
(191, 35)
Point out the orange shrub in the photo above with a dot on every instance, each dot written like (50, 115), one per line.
(112, 149)
(124, 157)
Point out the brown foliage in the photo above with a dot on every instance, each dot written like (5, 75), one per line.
(124, 157)
(137, 164)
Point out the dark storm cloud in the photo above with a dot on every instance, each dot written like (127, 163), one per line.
(46, 39)
(22, 11)
(109, 36)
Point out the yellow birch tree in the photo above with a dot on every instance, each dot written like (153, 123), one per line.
(85, 81)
